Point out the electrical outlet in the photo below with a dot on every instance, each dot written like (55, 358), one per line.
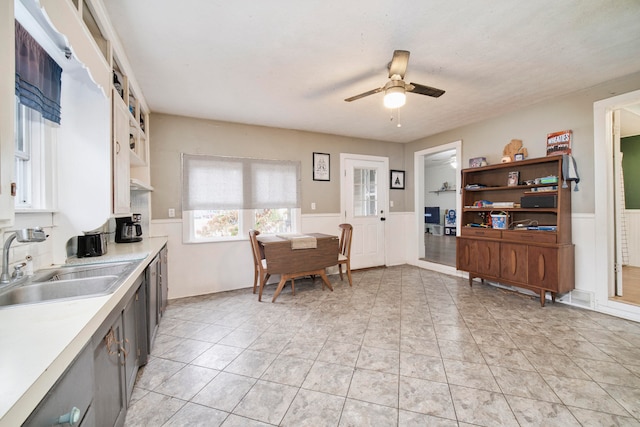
(391, 203)
(172, 213)
(313, 206)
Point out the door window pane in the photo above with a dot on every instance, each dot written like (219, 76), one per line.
(365, 192)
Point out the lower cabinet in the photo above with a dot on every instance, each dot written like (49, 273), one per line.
(97, 386)
(163, 275)
(109, 391)
(538, 267)
(153, 306)
(70, 398)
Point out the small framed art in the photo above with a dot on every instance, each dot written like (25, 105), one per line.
(513, 179)
(397, 180)
(321, 167)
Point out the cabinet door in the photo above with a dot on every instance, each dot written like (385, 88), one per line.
(152, 301)
(130, 345)
(141, 323)
(164, 280)
(488, 256)
(466, 254)
(543, 267)
(109, 404)
(513, 262)
(73, 390)
(120, 149)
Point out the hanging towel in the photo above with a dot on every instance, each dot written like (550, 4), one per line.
(569, 171)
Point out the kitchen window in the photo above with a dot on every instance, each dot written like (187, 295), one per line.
(35, 139)
(224, 197)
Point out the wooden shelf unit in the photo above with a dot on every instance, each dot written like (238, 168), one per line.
(532, 259)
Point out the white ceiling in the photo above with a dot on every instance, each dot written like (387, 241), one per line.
(291, 63)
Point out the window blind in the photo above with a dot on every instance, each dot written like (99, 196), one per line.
(38, 76)
(225, 183)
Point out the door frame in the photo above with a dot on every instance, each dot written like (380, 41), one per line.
(418, 167)
(604, 218)
(384, 189)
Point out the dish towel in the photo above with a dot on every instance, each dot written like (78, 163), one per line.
(300, 241)
(569, 171)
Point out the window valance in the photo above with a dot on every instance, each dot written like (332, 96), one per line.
(38, 76)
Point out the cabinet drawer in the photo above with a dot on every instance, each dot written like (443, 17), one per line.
(480, 232)
(529, 236)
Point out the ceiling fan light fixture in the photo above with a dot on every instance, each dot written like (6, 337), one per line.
(395, 97)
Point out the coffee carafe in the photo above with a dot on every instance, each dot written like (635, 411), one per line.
(128, 229)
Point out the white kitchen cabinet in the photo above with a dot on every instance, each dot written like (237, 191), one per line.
(120, 156)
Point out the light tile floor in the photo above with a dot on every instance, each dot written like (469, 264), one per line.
(402, 347)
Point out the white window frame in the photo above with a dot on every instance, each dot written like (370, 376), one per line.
(34, 176)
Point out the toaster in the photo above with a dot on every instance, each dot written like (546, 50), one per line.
(92, 244)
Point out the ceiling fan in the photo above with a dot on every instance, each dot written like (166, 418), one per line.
(395, 89)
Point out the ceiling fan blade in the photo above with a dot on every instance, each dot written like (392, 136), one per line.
(425, 90)
(398, 65)
(362, 95)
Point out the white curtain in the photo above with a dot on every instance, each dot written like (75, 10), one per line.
(216, 182)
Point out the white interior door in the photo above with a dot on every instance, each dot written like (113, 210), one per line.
(364, 195)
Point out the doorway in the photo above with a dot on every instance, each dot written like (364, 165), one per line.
(608, 209)
(437, 202)
(626, 158)
(363, 200)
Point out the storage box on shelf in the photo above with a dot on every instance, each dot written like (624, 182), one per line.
(534, 250)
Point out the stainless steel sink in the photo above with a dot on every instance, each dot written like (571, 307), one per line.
(64, 289)
(69, 282)
(82, 271)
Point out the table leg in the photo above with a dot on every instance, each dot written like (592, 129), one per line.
(325, 280)
(283, 280)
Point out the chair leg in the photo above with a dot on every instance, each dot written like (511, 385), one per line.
(255, 279)
(348, 266)
(293, 287)
(340, 270)
(262, 282)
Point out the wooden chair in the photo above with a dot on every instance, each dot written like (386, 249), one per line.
(257, 259)
(344, 250)
(261, 271)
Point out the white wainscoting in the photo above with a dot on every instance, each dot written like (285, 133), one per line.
(196, 269)
(203, 268)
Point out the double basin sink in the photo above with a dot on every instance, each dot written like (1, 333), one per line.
(68, 282)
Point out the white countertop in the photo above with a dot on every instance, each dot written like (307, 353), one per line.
(39, 341)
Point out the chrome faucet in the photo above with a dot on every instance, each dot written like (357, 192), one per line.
(26, 235)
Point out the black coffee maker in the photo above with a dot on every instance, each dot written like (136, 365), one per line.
(128, 229)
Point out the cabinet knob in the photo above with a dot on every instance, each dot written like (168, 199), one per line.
(71, 417)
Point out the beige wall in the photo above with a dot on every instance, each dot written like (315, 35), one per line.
(531, 125)
(172, 135)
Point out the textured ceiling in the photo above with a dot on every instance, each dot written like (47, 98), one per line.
(291, 63)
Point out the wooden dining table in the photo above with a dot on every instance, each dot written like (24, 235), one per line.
(290, 263)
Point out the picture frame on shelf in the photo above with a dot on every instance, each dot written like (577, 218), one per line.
(397, 180)
(321, 167)
(513, 179)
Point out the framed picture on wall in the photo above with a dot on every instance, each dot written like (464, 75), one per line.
(321, 167)
(397, 180)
